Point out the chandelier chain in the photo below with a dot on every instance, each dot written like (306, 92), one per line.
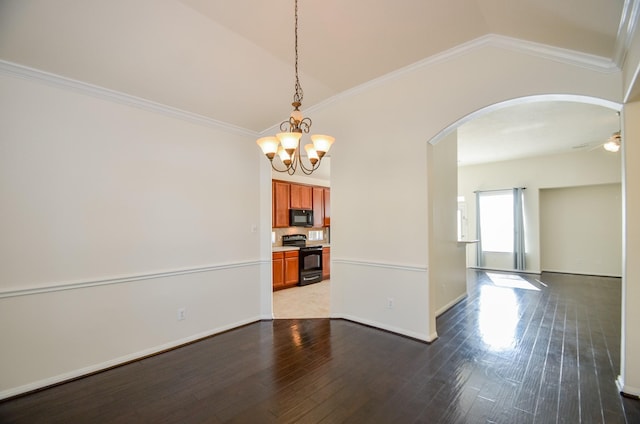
(299, 94)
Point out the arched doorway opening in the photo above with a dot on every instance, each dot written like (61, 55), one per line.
(441, 300)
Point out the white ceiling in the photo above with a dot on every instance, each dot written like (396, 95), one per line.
(535, 129)
(232, 61)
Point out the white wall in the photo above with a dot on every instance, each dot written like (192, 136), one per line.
(113, 217)
(447, 261)
(629, 380)
(379, 168)
(581, 230)
(564, 170)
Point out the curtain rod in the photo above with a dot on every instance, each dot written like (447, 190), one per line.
(498, 189)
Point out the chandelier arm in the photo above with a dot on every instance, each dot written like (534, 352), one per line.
(305, 125)
(278, 170)
(308, 171)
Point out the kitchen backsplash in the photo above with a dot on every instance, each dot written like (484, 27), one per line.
(319, 235)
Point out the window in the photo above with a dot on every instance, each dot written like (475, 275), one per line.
(496, 221)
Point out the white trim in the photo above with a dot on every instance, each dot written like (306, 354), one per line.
(450, 305)
(596, 63)
(401, 267)
(121, 360)
(122, 279)
(626, 29)
(396, 330)
(570, 57)
(633, 391)
(522, 100)
(16, 70)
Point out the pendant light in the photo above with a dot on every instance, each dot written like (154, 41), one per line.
(286, 144)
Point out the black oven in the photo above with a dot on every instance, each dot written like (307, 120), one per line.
(310, 265)
(309, 259)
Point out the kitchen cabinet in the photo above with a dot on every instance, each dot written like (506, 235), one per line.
(318, 206)
(280, 204)
(291, 274)
(278, 270)
(326, 203)
(287, 196)
(284, 269)
(301, 196)
(326, 263)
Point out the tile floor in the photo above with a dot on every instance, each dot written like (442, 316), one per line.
(310, 301)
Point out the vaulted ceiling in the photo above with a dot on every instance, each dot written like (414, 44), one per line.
(232, 61)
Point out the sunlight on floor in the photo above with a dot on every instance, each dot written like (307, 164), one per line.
(498, 318)
(511, 281)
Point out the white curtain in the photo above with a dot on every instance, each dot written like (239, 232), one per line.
(518, 230)
(479, 255)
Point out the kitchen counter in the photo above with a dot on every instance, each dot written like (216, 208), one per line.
(288, 248)
(284, 248)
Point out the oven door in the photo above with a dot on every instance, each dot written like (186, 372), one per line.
(310, 265)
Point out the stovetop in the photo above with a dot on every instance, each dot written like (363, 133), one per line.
(298, 240)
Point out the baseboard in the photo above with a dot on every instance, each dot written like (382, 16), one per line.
(388, 328)
(120, 361)
(512, 271)
(450, 305)
(626, 391)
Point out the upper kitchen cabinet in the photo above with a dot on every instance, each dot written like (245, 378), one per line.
(280, 204)
(301, 197)
(318, 206)
(327, 207)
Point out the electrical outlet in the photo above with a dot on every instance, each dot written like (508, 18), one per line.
(390, 303)
(182, 314)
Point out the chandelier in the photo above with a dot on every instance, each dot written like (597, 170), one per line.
(286, 144)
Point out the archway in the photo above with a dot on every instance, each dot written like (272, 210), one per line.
(448, 135)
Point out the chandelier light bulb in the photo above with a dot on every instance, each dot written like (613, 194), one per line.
(322, 143)
(269, 146)
(311, 154)
(284, 156)
(289, 141)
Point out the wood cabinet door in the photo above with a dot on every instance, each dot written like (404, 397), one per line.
(326, 262)
(326, 197)
(301, 197)
(318, 206)
(278, 270)
(291, 268)
(281, 198)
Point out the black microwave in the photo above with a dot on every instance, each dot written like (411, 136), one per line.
(300, 218)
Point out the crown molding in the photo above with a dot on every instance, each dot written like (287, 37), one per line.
(16, 70)
(626, 30)
(570, 57)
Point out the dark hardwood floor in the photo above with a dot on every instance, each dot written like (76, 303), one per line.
(547, 353)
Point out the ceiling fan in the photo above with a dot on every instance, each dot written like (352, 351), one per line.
(612, 144)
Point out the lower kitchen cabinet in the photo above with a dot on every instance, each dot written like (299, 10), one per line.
(285, 269)
(278, 270)
(326, 263)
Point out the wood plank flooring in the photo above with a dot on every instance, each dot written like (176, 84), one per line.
(546, 354)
